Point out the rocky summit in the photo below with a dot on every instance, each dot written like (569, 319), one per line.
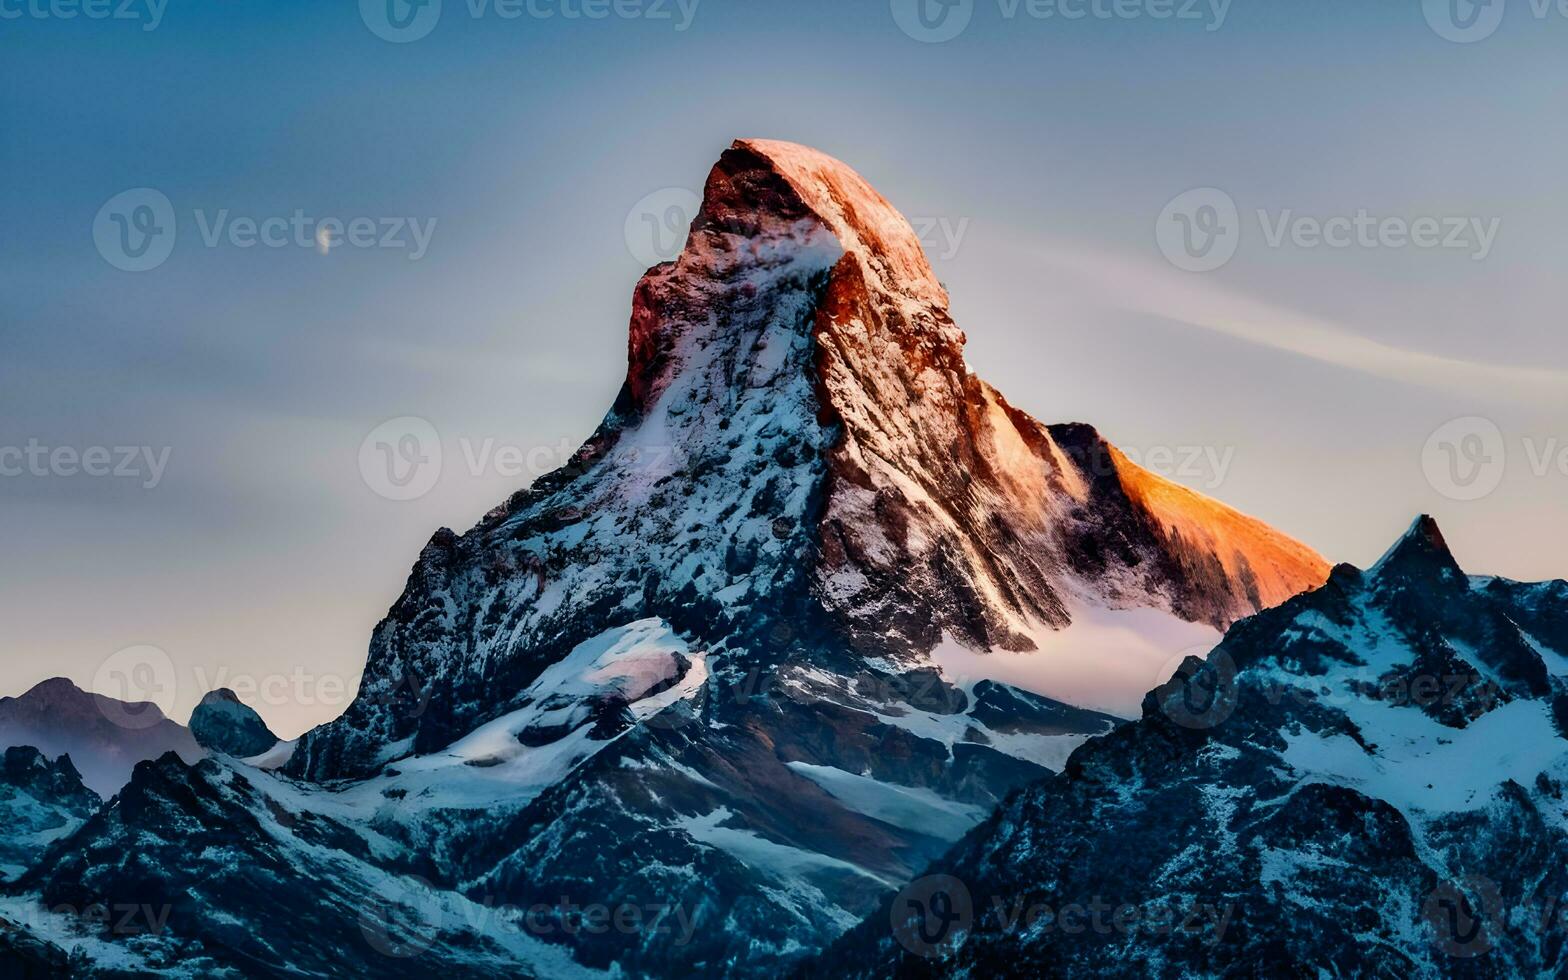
(806, 608)
(224, 723)
(41, 801)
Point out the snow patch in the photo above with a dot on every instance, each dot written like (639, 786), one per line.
(1420, 765)
(909, 807)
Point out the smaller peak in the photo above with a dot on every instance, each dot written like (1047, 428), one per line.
(1422, 548)
(19, 758)
(65, 765)
(24, 765)
(224, 723)
(1423, 534)
(56, 684)
(55, 690)
(168, 765)
(1345, 572)
(1425, 527)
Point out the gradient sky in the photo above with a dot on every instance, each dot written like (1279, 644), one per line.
(1047, 149)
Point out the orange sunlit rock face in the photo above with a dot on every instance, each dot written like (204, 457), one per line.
(942, 493)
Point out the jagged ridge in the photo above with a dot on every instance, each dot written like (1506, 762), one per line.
(1372, 774)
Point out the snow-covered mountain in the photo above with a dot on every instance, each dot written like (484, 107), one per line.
(1368, 779)
(41, 801)
(104, 737)
(811, 602)
(799, 463)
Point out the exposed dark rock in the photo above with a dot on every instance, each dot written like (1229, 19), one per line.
(40, 802)
(224, 723)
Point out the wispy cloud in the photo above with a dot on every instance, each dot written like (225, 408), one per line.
(1205, 303)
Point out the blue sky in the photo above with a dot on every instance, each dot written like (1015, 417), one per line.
(1314, 386)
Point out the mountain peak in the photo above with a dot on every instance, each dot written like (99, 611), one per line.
(41, 801)
(25, 762)
(24, 758)
(224, 723)
(64, 695)
(865, 224)
(56, 688)
(783, 220)
(1422, 551)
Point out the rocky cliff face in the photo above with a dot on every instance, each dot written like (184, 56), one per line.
(41, 801)
(224, 723)
(700, 680)
(1371, 774)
